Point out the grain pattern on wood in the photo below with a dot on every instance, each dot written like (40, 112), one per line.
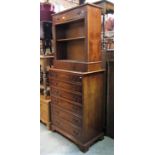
(77, 39)
(77, 80)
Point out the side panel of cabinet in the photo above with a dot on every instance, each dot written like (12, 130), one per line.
(94, 34)
(93, 104)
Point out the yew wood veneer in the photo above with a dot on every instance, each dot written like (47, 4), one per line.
(77, 79)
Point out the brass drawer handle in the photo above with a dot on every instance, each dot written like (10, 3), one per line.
(72, 78)
(75, 78)
(57, 92)
(77, 99)
(55, 83)
(63, 17)
(53, 75)
(80, 12)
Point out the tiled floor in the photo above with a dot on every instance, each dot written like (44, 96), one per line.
(52, 143)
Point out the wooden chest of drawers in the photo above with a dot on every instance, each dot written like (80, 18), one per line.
(77, 79)
(77, 105)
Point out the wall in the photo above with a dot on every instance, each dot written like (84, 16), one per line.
(61, 5)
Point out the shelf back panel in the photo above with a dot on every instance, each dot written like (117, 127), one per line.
(70, 30)
(71, 50)
(75, 50)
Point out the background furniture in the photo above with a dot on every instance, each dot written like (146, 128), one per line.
(46, 63)
(45, 111)
(107, 6)
(77, 80)
(45, 114)
(46, 60)
(110, 94)
(81, 2)
(108, 64)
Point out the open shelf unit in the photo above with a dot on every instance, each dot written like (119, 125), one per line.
(70, 44)
(77, 39)
(73, 29)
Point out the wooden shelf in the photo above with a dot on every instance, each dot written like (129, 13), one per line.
(69, 21)
(46, 56)
(70, 39)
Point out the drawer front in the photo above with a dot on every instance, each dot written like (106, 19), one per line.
(67, 105)
(65, 77)
(67, 127)
(70, 15)
(66, 95)
(67, 86)
(67, 116)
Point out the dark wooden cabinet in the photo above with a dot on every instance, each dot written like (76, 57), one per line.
(106, 5)
(77, 80)
(108, 63)
(110, 94)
